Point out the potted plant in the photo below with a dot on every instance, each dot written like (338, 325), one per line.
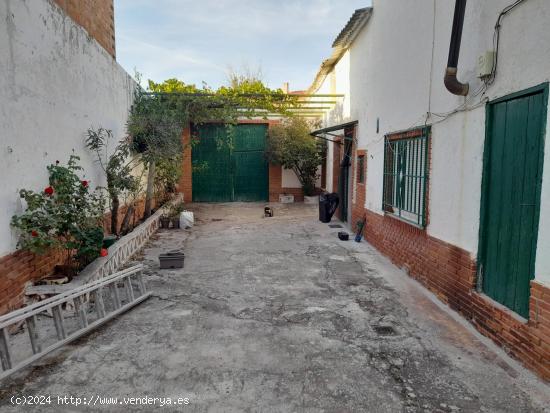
(164, 221)
(174, 214)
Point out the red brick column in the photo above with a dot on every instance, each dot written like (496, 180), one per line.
(358, 202)
(186, 182)
(275, 182)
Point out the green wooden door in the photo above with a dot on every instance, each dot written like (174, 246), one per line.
(226, 171)
(250, 165)
(512, 180)
(212, 180)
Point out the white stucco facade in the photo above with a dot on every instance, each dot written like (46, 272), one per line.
(396, 68)
(55, 83)
(336, 82)
(290, 180)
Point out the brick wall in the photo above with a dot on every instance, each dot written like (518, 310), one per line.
(23, 267)
(450, 273)
(139, 209)
(358, 201)
(275, 182)
(186, 181)
(96, 17)
(20, 268)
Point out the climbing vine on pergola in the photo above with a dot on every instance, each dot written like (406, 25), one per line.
(159, 115)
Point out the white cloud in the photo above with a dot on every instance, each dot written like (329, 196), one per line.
(196, 40)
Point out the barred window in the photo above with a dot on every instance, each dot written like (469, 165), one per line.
(406, 175)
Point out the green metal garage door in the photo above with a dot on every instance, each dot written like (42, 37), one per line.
(226, 171)
(512, 181)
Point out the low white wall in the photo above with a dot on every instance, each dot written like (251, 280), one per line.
(55, 83)
(290, 180)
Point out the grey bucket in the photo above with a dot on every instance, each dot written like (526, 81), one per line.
(171, 259)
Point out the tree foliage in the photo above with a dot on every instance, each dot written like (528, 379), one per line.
(159, 115)
(290, 144)
(117, 167)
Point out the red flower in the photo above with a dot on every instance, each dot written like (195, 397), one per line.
(48, 191)
(104, 252)
(84, 183)
(34, 234)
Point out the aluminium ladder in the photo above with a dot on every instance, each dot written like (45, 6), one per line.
(109, 296)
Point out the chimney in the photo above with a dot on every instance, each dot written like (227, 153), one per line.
(286, 87)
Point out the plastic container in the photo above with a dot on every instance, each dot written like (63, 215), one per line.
(327, 206)
(171, 259)
(187, 219)
(344, 236)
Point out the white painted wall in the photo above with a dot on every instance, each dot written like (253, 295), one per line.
(55, 83)
(394, 78)
(290, 180)
(336, 82)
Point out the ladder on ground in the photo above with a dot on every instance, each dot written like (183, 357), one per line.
(108, 297)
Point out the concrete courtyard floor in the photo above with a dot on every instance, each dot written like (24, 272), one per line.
(278, 315)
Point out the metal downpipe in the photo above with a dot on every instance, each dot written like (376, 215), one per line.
(452, 84)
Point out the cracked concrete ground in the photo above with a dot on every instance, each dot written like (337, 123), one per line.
(278, 315)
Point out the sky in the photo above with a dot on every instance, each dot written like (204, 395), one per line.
(198, 41)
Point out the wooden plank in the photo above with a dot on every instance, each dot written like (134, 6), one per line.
(73, 336)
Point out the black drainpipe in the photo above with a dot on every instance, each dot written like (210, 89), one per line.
(451, 82)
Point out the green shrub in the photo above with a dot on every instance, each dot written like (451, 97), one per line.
(66, 214)
(290, 144)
